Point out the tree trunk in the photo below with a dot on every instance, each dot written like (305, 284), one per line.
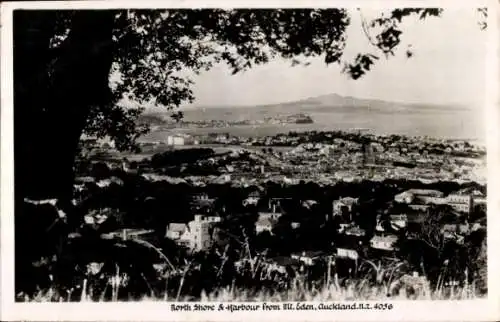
(54, 90)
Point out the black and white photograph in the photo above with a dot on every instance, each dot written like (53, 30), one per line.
(248, 155)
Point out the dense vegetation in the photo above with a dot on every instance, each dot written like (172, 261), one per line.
(152, 205)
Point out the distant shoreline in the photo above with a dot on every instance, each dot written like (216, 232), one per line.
(269, 130)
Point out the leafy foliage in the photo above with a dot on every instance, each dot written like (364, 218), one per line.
(384, 33)
(154, 48)
(430, 231)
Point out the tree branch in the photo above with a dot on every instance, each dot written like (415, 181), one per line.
(364, 27)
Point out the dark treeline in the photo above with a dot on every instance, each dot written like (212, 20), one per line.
(177, 157)
(140, 199)
(135, 202)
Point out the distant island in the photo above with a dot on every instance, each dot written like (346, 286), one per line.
(322, 113)
(166, 123)
(300, 119)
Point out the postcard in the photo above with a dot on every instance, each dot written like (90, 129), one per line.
(280, 160)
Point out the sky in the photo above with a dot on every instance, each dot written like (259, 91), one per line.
(448, 67)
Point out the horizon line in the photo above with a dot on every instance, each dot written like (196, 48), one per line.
(455, 105)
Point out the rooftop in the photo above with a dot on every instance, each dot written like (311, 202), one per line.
(348, 200)
(386, 238)
(177, 227)
(309, 253)
(266, 222)
(425, 192)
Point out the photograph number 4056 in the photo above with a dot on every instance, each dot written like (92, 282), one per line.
(216, 155)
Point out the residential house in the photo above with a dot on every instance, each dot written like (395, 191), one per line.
(252, 199)
(202, 201)
(223, 138)
(79, 187)
(343, 226)
(210, 219)
(201, 196)
(461, 203)
(355, 231)
(176, 140)
(309, 203)
(129, 233)
(398, 221)
(404, 197)
(430, 200)
(275, 204)
(346, 203)
(349, 253)
(448, 230)
(107, 182)
(201, 231)
(197, 234)
(383, 242)
(281, 264)
(476, 226)
(265, 224)
(455, 232)
(309, 258)
(84, 180)
(269, 215)
(424, 195)
(175, 230)
(350, 245)
(480, 201)
(291, 181)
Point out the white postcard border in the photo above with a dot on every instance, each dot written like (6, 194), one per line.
(154, 311)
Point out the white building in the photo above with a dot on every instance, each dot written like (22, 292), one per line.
(426, 195)
(461, 203)
(404, 197)
(129, 234)
(355, 231)
(265, 224)
(346, 203)
(383, 242)
(252, 199)
(309, 258)
(480, 201)
(196, 235)
(280, 264)
(181, 139)
(398, 221)
(342, 227)
(176, 230)
(347, 253)
(175, 140)
(269, 215)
